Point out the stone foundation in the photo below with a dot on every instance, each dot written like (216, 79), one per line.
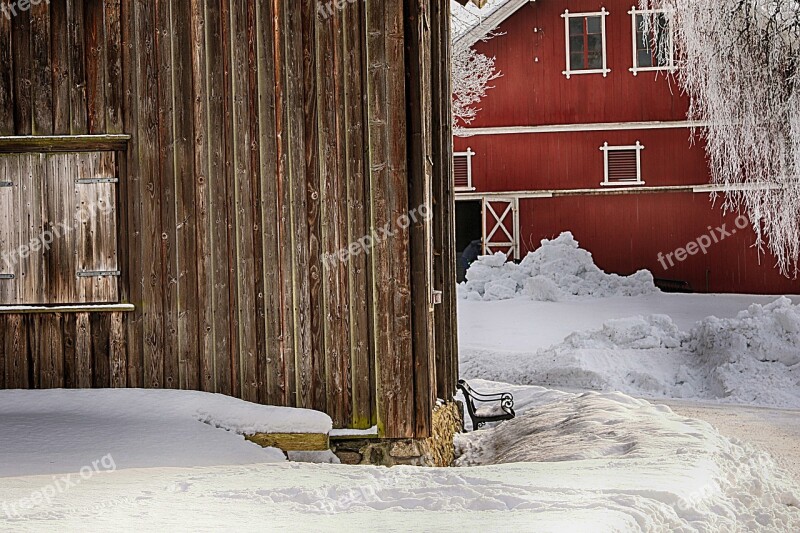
(437, 450)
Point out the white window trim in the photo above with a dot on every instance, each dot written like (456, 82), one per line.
(638, 181)
(605, 71)
(636, 69)
(469, 154)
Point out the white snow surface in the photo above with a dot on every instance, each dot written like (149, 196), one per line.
(591, 462)
(55, 431)
(558, 270)
(634, 454)
(752, 357)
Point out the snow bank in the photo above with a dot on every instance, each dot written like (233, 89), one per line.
(558, 270)
(54, 431)
(753, 358)
(616, 452)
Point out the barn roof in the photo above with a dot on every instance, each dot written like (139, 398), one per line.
(472, 23)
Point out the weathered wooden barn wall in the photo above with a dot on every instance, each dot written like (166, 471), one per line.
(266, 136)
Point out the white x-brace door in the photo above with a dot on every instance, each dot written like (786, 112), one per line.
(501, 226)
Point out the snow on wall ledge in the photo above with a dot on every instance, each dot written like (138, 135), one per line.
(559, 270)
(139, 428)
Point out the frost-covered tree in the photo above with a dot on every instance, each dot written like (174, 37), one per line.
(740, 62)
(472, 73)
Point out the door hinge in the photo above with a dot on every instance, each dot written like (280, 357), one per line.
(8, 276)
(436, 297)
(6, 184)
(99, 273)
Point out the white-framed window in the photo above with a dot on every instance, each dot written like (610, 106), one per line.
(653, 40)
(623, 165)
(586, 43)
(462, 170)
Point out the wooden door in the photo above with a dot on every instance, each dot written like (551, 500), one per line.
(501, 226)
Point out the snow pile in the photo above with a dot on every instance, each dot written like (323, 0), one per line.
(139, 428)
(558, 270)
(618, 452)
(753, 358)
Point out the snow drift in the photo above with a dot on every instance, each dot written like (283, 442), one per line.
(753, 358)
(556, 271)
(617, 452)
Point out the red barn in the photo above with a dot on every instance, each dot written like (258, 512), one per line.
(587, 131)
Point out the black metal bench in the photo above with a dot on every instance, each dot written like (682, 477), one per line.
(485, 408)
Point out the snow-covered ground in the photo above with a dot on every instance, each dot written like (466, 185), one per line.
(570, 461)
(595, 331)
(590, 462)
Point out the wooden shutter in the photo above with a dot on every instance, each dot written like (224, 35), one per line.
(58, 226)
(8, 238)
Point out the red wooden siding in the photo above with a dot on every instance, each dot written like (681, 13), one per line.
(545, 161)
(533, 90)
(626, 233)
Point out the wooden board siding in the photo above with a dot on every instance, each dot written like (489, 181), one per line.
(530, 53)
(731, 265)
(266, 137)
(62, 350)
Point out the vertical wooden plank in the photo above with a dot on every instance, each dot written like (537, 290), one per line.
(228, 103)
(84, 373)
(101, 349)
(97, 228)
(335, 235)
(68, 325)
(223, 339)
(167, 190)
(59, 39)
(78, 105)
(203, 228)
(21, 32)
(377, 71)
(421, 246)
(9, 222)
(295, 197)
(3, 330)
(243, 202)
(42, 70)
(32, 283)
(6, 78)
(360, 338)
(130, 195)
(51, 372)
(95, 66)
(273, 368)
(60, 209)
(254, 108)
(117, 351)
(314, 198)
(390, 201)
(16, 350)
(444, 204)
(148, 146)
(188, 302)
(113, 66)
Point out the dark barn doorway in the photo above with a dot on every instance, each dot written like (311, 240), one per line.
(469, 227)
